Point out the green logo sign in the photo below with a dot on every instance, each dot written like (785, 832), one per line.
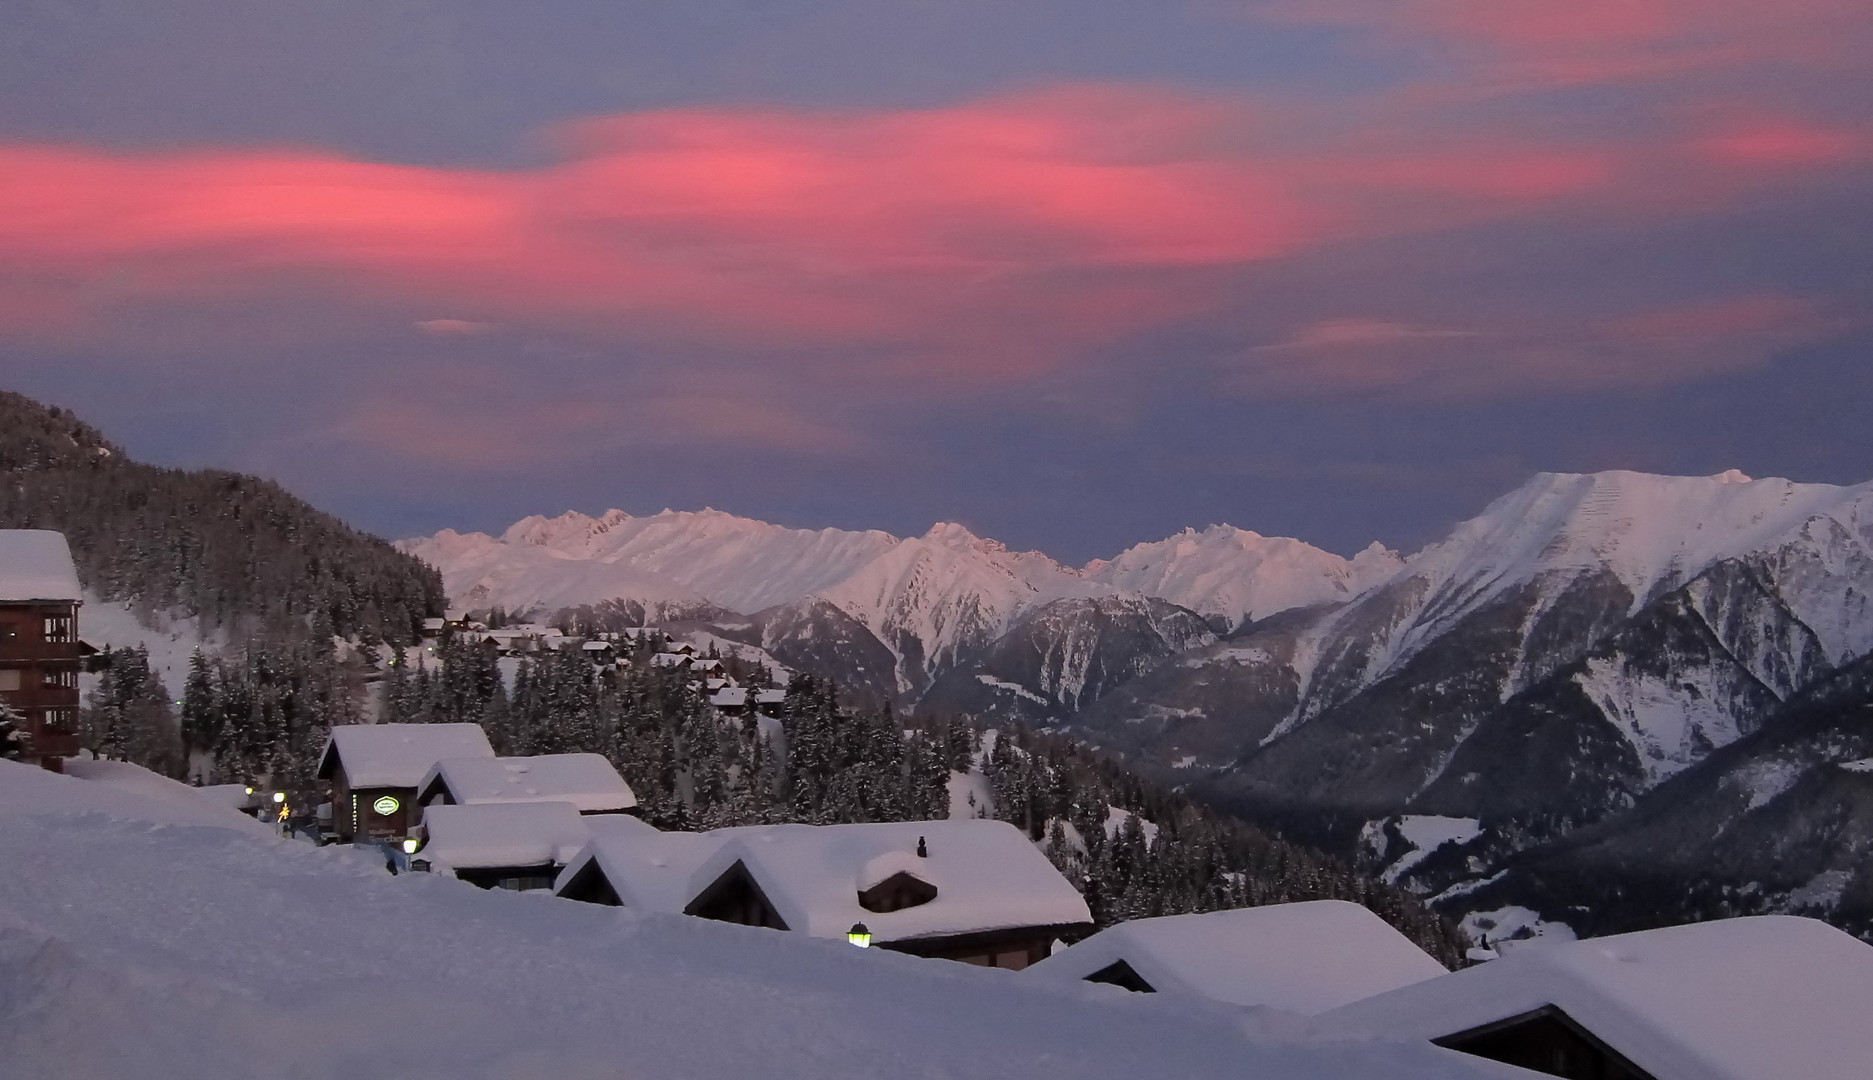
(386, 805)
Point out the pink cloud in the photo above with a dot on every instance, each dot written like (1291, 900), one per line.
(979, 243)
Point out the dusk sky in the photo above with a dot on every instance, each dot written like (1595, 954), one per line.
(1076, 274)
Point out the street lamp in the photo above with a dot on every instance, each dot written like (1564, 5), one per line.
(859, 936)
(410, 844)
(279, 796)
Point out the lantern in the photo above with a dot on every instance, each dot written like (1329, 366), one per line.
(410, 845)
(859, 936)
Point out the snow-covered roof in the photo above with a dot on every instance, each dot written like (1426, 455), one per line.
(587, 781)
(730, 697)
(434, 624)
(36, 564)
(1763, 998)
(770, 697)
(488, 835)
(666, 659)
(596, 646)
(1303, 958)
(988, 876)
(650, 870)
(398, 755)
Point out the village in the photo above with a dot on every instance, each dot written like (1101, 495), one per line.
(1724, 1000)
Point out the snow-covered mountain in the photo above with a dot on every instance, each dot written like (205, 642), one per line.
(1551, 663)
(932, 602)
(1232, 576)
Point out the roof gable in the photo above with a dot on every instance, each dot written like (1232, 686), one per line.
(1759, 998)
(36, 564)
(986, 874)
(494, 835)
(398, 755)
(588, 781)
(1304, 958)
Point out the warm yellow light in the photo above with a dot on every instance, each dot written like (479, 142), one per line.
(859, 936)
(279, 796)
(250, 791)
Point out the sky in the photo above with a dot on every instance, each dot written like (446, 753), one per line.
(1075, 274)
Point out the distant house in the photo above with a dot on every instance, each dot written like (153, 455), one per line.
(434, 627)
(704, 666)
(520, 845)
(599, 652)
(670, 660)
(39, 647)
(1763, 998)
(374, 771)
(1303, 958)
(764, 699)
(971, 890)
(587, 781)
(730, 700)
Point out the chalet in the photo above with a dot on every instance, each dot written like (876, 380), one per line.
(587, 781)
(433, 628)
(39, 647)
(374, 771)
(670, 660)
(730, 700)
(599, 652)
(969, 890)
(1303, 958)
(1764, 998)
(630, 863)
(769, 699)
(705, 666)
(517, 845)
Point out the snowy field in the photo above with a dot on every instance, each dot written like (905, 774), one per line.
(144, 936)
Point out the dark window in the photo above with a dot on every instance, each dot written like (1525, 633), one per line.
(1121, 974)
(897, 892)
(1546, 1040)
(65, 677)
(58, 628)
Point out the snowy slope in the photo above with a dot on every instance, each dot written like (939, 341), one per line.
(1232, 575)
(166, 951)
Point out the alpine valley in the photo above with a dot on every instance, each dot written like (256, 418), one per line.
(1609, 700)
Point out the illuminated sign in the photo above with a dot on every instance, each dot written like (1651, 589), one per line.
(386, 805)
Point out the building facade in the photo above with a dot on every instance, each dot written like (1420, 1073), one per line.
(39, 648)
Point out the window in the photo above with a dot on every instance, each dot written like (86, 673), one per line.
(58, 628)
(65, 677)
(10, 678)
(61, 719)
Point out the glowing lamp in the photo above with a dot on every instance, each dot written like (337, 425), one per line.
(279, 796)
(859, 936)
(250, 790)
(410, 845)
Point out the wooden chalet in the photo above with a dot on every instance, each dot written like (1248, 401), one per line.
(521, 846)
(972, 890)
(374, 771)
(1762, 998)
(587, 781)
(39, 646)
(1304, 958)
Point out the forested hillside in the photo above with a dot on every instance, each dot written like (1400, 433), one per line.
(228, 548)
